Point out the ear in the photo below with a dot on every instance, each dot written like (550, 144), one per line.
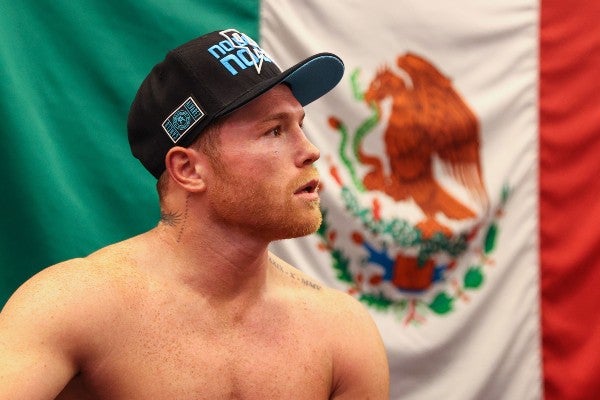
(185, 167)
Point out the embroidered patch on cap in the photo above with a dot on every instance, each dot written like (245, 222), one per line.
(182, 119)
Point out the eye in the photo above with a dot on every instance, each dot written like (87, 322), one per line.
(275, 131)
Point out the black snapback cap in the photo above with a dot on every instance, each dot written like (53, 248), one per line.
(209, 77)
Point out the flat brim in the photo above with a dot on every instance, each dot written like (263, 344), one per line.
(308, 80)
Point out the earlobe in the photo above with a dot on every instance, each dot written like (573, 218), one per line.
(185, 168)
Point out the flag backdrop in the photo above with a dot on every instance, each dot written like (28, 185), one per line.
(459, 157)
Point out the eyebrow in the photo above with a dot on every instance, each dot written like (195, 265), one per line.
(282, 115)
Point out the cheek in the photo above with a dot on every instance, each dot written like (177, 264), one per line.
(250, 165)
(265, 167)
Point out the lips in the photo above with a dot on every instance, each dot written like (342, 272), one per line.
(309, 187)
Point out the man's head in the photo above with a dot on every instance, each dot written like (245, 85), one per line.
(208, 78)
(264, 179)
(252, 172)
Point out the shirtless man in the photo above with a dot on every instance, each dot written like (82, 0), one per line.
(197, 307)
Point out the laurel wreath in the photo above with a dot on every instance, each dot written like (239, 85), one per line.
(413, 310)
(403, 233)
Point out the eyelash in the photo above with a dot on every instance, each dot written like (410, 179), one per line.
(277, 131)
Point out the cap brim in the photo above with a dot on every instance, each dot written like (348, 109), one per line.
(308, 80)
(314, 77)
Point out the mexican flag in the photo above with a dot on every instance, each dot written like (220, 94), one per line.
(459, 157)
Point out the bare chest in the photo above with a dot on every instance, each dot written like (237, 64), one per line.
(162, 357)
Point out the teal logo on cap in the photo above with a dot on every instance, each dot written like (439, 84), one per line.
(182, 119)
(238, 51)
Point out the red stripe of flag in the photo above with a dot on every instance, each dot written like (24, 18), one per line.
(569, 198)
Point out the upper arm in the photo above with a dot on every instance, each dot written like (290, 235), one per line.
(361, 369)
(36, 344)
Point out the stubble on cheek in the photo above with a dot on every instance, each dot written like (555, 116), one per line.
(270, 208)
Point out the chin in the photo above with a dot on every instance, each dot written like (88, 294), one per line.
(295, 227)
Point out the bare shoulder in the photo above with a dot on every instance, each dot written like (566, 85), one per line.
(360, 362)
(361, 369)
(50, 288)
(67, 292)
(340, 313)
(336, 304)
(54, 323)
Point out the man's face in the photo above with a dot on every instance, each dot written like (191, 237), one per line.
(263, 180)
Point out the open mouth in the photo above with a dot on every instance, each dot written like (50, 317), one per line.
(310, 187)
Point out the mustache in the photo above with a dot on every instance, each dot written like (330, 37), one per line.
(311, 174)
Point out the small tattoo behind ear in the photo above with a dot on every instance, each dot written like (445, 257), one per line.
(170, 218)
(184, 219)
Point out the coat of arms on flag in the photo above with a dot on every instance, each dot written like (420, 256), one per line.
(418, 230)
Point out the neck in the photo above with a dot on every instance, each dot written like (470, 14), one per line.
(211, 261)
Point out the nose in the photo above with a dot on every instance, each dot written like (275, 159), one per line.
(308, 153)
